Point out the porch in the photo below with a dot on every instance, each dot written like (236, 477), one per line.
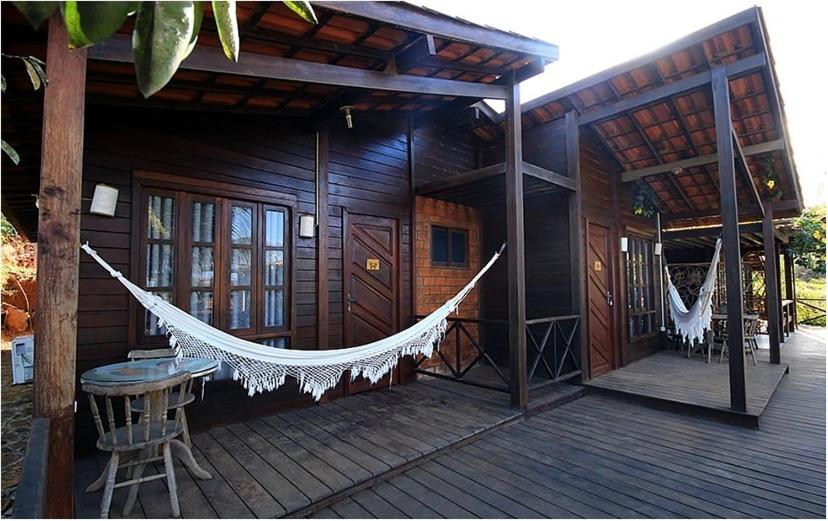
(430, 449)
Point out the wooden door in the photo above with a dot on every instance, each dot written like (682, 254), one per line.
(599, 300)
(371, 284)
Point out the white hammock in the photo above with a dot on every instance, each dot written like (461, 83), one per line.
(262, 368)
(692, 323)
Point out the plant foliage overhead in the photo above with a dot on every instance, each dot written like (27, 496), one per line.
(164, 33)
(807, 239)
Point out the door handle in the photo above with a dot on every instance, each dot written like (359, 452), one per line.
(350, 300)
(609, 299)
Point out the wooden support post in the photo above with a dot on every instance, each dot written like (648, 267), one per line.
(790, 285)
(515, 250)
(730, 239)
(782, 330)
(322, 294)
(58, 255)
(577, 273)
(771, 297)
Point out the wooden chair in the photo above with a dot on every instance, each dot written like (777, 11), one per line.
(189, 397)
(751, 345)
(152, 431)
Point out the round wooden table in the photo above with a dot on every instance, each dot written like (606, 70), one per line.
(147, 371)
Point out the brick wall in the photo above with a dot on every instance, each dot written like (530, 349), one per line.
(435, 285)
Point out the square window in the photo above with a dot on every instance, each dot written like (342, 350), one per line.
(449, 247)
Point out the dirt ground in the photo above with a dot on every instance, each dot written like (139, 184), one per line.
(16, 409)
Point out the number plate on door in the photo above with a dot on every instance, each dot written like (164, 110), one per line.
(372, 265)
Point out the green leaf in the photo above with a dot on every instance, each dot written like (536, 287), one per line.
(303, 9)
(199, 15)
(36, 12)
(11, 152)
(228, 29)
(162, 36)
(91, 22)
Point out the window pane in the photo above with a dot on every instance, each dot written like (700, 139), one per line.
(160, 217)
(201, 305)
(458, 248)
(202, 266)
(274, 268)
(151, 321)
(274, 342)
(439, 245)
(241, 225)
(240, 267)
(275, 228)
(159, 265)
(240, 309)
(203, 221)
(274, 308)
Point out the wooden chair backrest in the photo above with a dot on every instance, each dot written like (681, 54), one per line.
(146, 354)
(156, 392)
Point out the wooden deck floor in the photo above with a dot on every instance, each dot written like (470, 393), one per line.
(671, 378)
(597, 456)
(602, 457)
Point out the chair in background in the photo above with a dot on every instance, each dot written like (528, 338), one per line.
(751, 323)
(189, 397)
(121, 435)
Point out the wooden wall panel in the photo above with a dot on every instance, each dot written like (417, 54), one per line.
(368, 174)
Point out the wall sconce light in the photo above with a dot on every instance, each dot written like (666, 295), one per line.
(625, 244)
(348, 119)
(658, 248)
(307, 226)
(104, 201)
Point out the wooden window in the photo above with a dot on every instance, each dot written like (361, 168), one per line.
(641, 294)
(449, 247)
(226, 261)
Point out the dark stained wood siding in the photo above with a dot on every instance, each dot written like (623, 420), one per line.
(442, 152)
(608, 201)
(368, 174)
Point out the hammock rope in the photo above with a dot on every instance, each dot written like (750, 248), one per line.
(262, 368)
(692, 323)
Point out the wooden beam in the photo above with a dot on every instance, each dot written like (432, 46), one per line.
(790, 283)
(322, 288)
(730, 239)
(548, 176)
(734, 69)
(771, 295)
(461, 179)
(741, 163)
(415, 53)
(515, 240)
(745, 214)
(577, 259)
(412, 18)
(634, 175)
(708, 231)
(118, 48)
(58, 256)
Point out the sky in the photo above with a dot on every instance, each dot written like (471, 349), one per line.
(593, 35)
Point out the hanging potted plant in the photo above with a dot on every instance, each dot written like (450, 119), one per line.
(644, 201)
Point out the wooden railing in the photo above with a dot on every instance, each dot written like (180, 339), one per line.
(550, 347)
(550, 355)
(456, 332)
(810, 313)
(30, 497)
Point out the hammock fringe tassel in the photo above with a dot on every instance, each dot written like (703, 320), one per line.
(261, 368)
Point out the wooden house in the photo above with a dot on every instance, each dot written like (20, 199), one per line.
(216, 172)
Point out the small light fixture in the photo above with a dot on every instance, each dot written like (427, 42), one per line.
(348, 119)
(307, 226)
(104, 201)
(624, 244)
(678, 170)
(658, 248)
